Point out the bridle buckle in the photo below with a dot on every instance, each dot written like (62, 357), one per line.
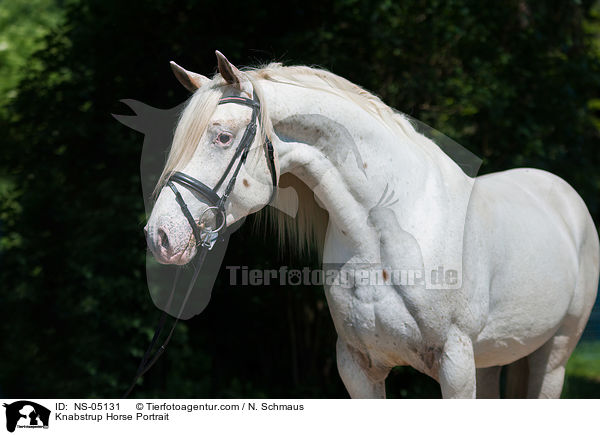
(209, 236)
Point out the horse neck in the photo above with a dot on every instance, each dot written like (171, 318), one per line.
(348, 158)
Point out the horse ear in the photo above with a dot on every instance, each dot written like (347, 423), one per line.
(232, 75)
(190, 80)
(229, 72)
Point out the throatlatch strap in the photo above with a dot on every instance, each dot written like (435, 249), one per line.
(272, 168)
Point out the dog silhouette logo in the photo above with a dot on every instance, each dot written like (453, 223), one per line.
(26, 414)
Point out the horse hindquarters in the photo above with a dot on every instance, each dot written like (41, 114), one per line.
(545, 282)
(541, 374)
(547, 364)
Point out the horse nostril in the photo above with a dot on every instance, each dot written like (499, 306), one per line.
(164, 239)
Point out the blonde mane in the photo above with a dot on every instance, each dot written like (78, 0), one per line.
(323, 80)
(306, 232)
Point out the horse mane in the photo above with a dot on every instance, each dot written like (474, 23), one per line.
(323, 80)
(306, 232)
(303, 234)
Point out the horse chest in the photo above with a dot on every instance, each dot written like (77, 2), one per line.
(375, 320)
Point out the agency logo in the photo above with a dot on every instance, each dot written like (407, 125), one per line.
(25, 414)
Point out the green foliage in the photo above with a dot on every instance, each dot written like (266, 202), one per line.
(583, 372)
(22, 26)
(585, 362)
(516, 83)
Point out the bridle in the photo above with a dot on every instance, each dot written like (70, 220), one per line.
(207, 237)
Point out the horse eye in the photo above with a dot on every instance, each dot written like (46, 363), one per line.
(224, 138)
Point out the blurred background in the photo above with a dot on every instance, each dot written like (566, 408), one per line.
(517, 83)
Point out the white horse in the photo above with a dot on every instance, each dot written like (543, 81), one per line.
(521, 246)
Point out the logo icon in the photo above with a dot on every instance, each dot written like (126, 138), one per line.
(26, 414)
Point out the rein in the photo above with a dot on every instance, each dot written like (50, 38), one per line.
(206, 237)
